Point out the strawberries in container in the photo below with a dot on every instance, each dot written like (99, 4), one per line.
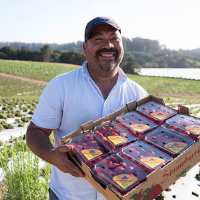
(88, 149)
(113, 136)
(136, 124)
(156, 112)
(185, 124)
(145, 156)
(118, 172)
(169, 141)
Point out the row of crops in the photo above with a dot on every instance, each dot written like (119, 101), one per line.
(33, 70)
(19, 109)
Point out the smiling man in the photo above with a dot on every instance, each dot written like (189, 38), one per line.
(93, 91)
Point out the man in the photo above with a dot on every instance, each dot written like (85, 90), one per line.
(95, 90)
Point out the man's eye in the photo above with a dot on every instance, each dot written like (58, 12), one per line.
(114, 38)
(98, 39)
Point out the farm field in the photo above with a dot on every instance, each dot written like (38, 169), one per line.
(18, 99)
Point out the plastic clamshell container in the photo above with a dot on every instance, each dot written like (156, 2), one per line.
(185, 124)
(88, 149)
(145, 156)
(135, 123)
(120, 173)
(169, 141)
(113, 136)
(156, 112)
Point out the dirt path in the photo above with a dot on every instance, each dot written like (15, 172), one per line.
(24, 78)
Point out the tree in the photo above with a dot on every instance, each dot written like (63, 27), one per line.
(45, 53)
(55, 57)
(24, 54)
(72, 57)
(10, 52)
(3, 56)
(131, 67)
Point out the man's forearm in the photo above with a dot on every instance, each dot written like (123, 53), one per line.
(38, 141)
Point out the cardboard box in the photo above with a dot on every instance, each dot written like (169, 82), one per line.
(155, 182)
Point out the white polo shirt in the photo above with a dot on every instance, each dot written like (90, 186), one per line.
(67, 102)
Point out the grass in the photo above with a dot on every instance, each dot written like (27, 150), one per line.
(33, 70)
(158, 85)
(15, 88)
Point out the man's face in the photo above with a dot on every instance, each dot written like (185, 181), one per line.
(104, 49)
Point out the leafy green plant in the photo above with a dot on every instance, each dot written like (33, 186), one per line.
(21, 124)
(21, 174)
(31, 112)
(8, 126)
(198, 176)
(25, 119)
(1, 127)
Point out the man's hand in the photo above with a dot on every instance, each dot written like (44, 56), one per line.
(61, 161)
(38, 141)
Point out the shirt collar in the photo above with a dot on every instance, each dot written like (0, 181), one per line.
(121, 78)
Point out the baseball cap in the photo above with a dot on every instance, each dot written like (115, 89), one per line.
(91, 25)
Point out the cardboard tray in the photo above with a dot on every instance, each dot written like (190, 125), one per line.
(155, 182)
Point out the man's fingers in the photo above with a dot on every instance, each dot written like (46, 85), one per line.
(71, 166)
(65, 148)
(74, 173)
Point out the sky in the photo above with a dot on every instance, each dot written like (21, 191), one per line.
(173, 23)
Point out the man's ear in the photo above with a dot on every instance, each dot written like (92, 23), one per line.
(84, 47)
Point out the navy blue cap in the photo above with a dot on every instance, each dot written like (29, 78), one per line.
(91, 25)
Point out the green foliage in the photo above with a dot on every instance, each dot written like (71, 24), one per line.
(3, 55)
(72, 57)
(198, 176)
(141, 45)
(21, 174)
(45, 53)
(32, 70)
(130, 66)
(157, 85)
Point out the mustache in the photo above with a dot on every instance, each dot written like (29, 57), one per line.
(107, 50)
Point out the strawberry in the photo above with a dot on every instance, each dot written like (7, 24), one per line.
(155, 191)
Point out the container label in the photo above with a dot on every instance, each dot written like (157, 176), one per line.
(117, 139)
(91, 153)
(175, 146)
(125, 180)
(140, 127)
(193, 128)
(152, 161)
(160, 115)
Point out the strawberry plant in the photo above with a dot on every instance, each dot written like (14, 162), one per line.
(198, 176)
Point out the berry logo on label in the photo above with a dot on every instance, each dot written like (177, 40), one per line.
(140, 127)
(194, 128)
(160, 115)
(152, 161)
(117, 139)
(175, 146)
(91, 153)
(125, 180)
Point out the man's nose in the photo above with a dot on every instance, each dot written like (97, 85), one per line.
(108, 44)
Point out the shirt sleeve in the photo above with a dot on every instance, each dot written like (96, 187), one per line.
(48, 113)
